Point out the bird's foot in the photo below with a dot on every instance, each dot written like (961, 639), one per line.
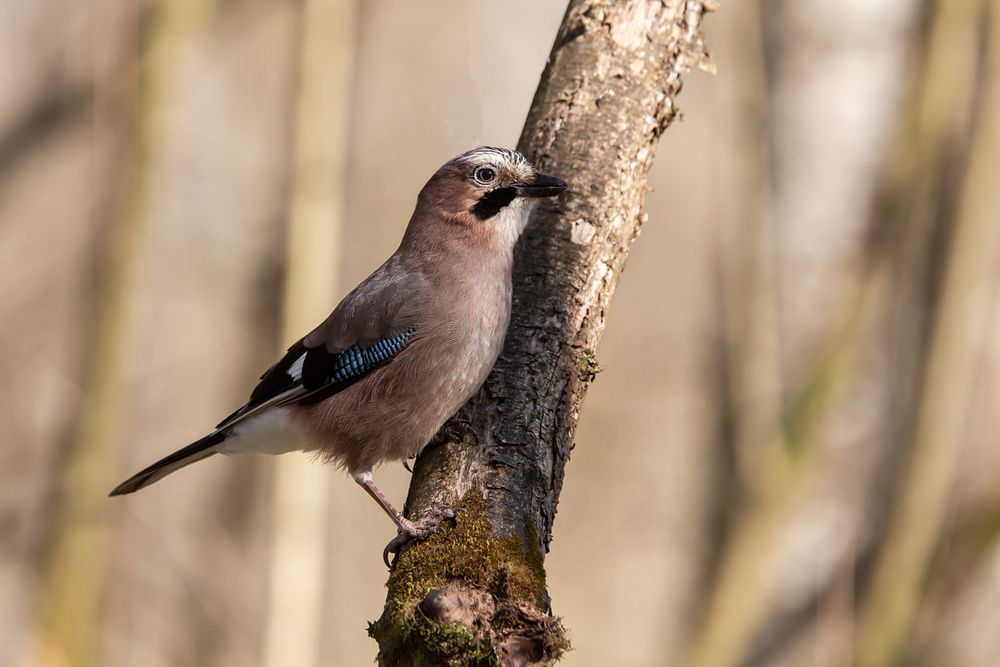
(417, 530)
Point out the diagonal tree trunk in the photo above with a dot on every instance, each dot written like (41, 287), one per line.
(475, 592)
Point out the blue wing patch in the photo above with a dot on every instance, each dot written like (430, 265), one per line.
(356, 361)
(325, 373)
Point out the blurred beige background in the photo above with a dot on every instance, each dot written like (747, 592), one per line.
(790, 455)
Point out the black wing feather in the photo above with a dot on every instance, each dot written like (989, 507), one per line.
(278, 378)
(275, 380)
(324, 373)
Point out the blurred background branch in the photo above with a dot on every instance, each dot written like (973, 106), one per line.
(300, 517)
(77, 540)
(959, 317)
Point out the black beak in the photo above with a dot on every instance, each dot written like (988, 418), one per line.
(543, 186)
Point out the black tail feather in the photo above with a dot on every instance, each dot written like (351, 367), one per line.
(196, 451)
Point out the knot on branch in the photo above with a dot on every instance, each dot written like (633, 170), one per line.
(513, 633)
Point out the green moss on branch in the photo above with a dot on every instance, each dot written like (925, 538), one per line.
(467, 597)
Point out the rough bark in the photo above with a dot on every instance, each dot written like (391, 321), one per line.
(475, 592)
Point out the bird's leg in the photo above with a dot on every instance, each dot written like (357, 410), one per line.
(407, 530)
(365, 481)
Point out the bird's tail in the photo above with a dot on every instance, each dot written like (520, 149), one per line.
(196, 451)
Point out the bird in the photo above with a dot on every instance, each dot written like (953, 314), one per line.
(405, 349)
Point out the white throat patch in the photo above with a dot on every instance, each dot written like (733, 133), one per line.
(512, 219)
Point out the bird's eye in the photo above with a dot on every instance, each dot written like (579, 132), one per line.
(485, 175)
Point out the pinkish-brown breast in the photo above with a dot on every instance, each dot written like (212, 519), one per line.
(394, 412)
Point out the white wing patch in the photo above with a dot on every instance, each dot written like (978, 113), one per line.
(295, 370)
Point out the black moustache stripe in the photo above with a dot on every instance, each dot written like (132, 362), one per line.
(491, 202)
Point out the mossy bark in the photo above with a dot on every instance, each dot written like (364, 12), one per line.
(466, 596)
(475, 592)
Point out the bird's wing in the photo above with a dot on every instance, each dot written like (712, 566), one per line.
(371, 325)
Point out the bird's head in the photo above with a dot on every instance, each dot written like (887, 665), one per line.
(493, 188)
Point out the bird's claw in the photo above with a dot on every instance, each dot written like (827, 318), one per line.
(418, 530)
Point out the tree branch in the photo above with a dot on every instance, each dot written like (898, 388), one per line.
(475, 592)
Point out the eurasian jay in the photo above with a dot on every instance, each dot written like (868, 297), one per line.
(406, 348)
